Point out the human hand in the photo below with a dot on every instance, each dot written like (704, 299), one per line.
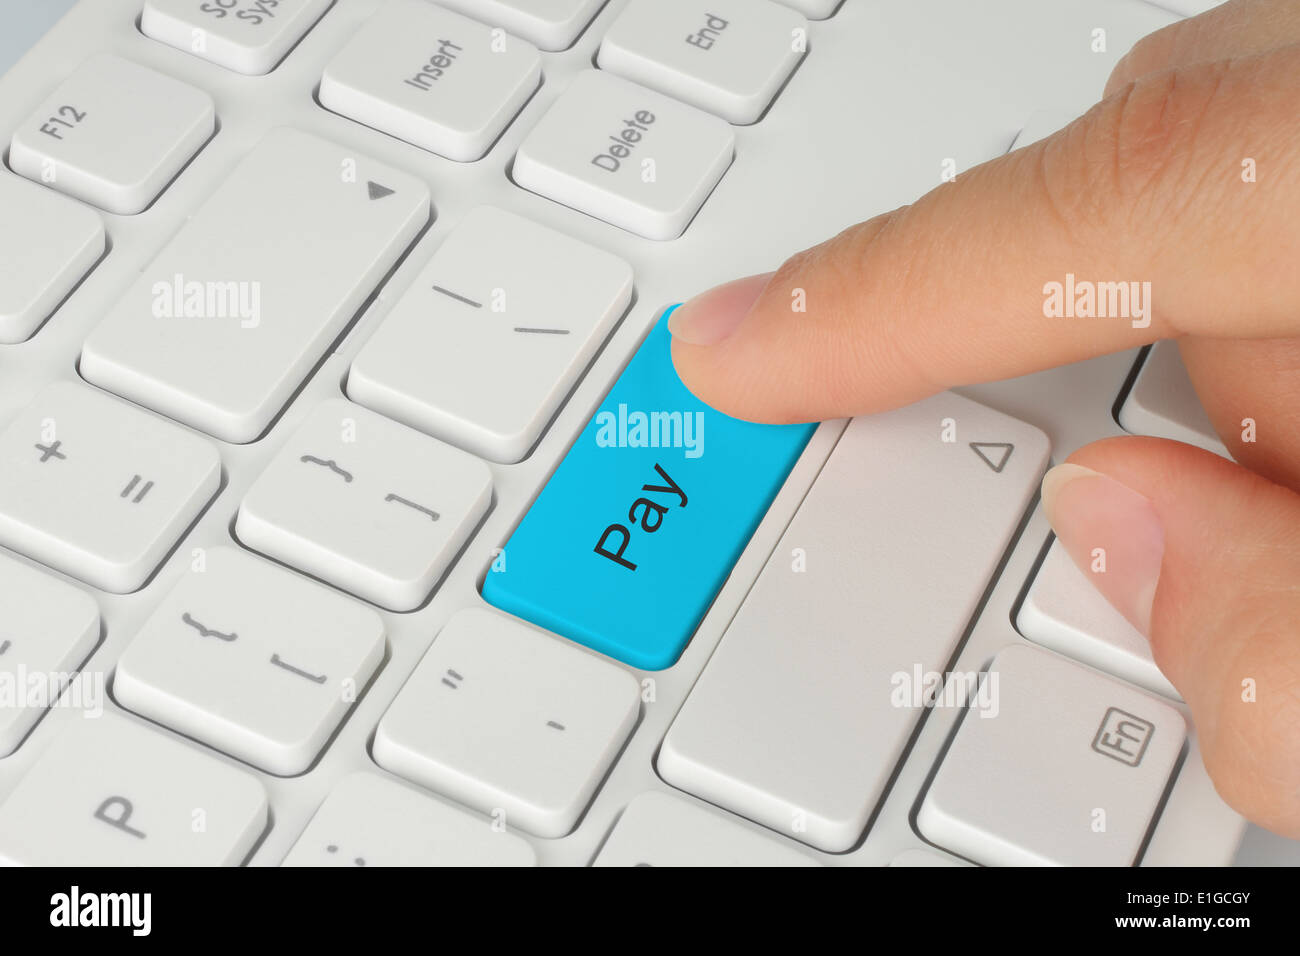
(1183, 176)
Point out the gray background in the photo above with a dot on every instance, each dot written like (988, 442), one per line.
(22, 22)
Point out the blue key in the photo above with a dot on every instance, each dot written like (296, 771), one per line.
(633, 536)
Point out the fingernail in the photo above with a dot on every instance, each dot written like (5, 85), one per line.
(1112, 533)
(711, 316)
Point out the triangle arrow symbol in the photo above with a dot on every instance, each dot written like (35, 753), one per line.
(995, 454)
(377, 191)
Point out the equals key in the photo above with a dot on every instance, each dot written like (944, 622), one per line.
(132, 485)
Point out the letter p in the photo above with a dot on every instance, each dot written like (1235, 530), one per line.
(618, 554)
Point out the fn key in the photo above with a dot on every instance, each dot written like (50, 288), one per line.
(631, 539)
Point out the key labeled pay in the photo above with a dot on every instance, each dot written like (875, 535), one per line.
(627, 545)
(645, 512)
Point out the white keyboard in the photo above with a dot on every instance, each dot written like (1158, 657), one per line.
(302, 304)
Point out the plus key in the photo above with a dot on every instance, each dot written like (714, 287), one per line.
(109, 513)
(50, 451)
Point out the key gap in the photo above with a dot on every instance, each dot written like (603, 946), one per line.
(1165, 794)
(933, 770)
(335, 345)
(1025, 588)
(1126, 389)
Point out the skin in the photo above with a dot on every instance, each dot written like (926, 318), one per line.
(1147, 185)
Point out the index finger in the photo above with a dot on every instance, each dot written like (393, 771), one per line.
(1136, 222)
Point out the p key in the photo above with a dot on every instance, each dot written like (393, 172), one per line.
(112, 792)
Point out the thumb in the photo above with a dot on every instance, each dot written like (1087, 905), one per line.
(1203, 557)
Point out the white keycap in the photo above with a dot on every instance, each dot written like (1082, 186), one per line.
(98, 489)
(114, 134)
(1069, 772)
(433, 78)
(47, 628)
(367, 504)
(725, 56)
(251, 659)
(1064, 612)
(926, 858)
(503, 300)
(368, 820)
(247, 36)
(549, 24)
(111, 792)
(814, 9)
(48, 244)
(625, 154)
(221, 328)
(1163, 402)
(509, 720)
(661, 830)
(802, 713)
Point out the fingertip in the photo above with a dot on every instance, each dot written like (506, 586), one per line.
(1112, 533)
(1221, 624)
(712, 316)
(711, 381)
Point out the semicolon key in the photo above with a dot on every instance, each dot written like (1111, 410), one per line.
(636, 531)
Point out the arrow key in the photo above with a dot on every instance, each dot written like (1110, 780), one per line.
(995, 454)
